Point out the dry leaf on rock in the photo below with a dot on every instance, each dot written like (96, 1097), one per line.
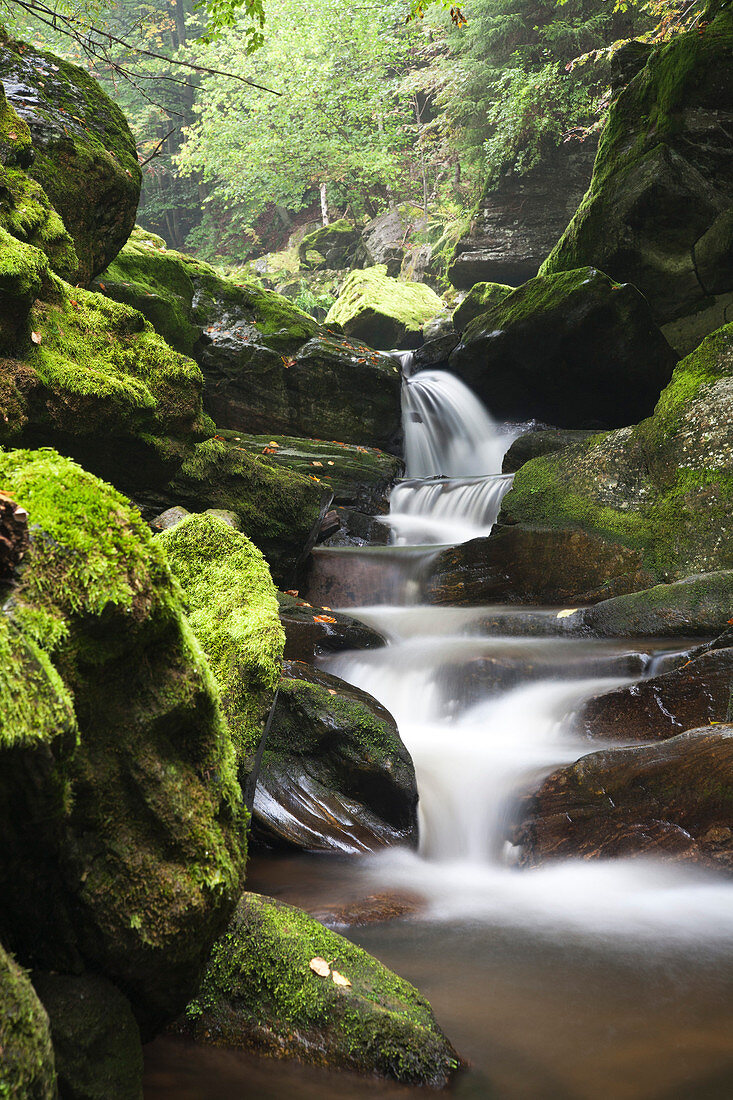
(339, 979)
(320, 966)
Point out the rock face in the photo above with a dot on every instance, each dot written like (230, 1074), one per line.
(662, 487)
(233, 611)
(671, 800)
(519, 220)
(697, 694)
(335, 775)
(267, 365)
(575, 350)
(532, 444)
(384, 312)
(83, 153)
(122, 821)
(658, 211)
(331, 246)
(312, 632)
(261, 992)
(96, 1041)
(383, 242)
(27, 1066)
(696, 606)
(534, 565)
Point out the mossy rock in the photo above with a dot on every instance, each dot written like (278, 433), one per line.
(480, 297)
(121, 815)
(662, 179)
(384, 312)
(26, 1062)
(85, 157)
(697, 605)
(663, 488)
(359, 477)
(96, 1040)
(279, 509)
(233, 611)
(16, 144)
(332, 246)
(259, 991)
(27, 214)
(335, 774)
(574, 350)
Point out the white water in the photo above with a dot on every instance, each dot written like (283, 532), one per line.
(474, 756)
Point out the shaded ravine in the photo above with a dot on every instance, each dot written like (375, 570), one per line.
(575, 980)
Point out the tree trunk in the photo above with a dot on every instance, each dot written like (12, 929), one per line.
(324, 205)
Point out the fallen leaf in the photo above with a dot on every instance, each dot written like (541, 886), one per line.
(339, 979)
(315, 462)
(320, 967)
(323, 619)
(272, 443)
(331, 691)
(291, 591)
(331, 462)
(36, 337)
(564, 614)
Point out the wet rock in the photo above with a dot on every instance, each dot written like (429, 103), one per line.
(662, 487)
(662, 186)
(27, 1065)
(312, 632)
(169, 518)
(331, 246)
(230, 518)
(335, 776)
(697, 694)
(574, 349)
(358, 529)
(372, 909)
(534, 565)
(84, 158)
(383, 242)
(359, 477)
(346, 576)
(520, 218)
(434, 352)
(671, 800)
(384, 312)
(542, 442)
(96, 1041)
(260, 992)
(113, 826)
(697, 605)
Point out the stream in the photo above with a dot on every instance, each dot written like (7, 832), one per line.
(575, 981)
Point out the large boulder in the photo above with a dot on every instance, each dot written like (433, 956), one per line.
(331, 246)
(27, 1068)
(335, 775)
(384, 312)
(699, 693)
(662, 488)
(280, 983)
(83, 152)
(233, 611)
(695, 606)
(673, 799)
(121, 815)
(383, 241)
(267, 365)
(659, 209)
(481, 296)
(519, 219)
(574, 350)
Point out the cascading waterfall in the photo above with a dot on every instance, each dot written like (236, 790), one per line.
(485, 718)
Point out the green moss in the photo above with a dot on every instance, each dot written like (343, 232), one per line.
(331, 246)
(35, 704)
(27, 214)
(233, 610)
(370, 302)
(480, 297)
(259, 989)
(16, 147)
(26, 1061)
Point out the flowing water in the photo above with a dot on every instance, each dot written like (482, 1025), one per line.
(608, 979)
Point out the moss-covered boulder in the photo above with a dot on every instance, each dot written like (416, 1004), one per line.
(384, 312)
(278, 508)
(359, 477)
(335, 775)
(84, 154)
(663, 488)
(96, 1040)
(26, 1057)
(699, 605)
(481, 296)
(542, 442)
(383, 241)
(574, 350)
(260, 992)
(672, 800)
(267, 365)
(331, 246)
(658, 209)
(122, 819)
(233, 611)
